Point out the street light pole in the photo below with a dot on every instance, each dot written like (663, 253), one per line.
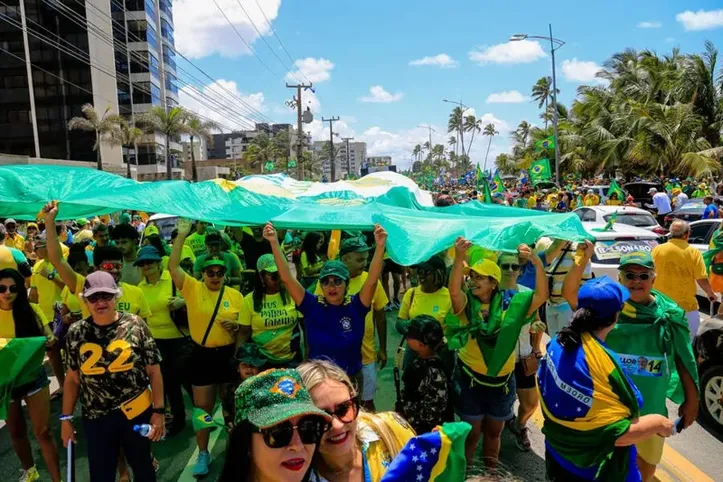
(554, 45)
(461, 127)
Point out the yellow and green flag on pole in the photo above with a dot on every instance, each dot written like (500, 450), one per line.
(20, 359)
(540, 170)
(497, 185)
(546, 143)
(616, 189)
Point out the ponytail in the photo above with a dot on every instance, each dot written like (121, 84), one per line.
(584, 320)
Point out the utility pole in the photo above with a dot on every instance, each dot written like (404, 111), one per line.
(348, 155)
(331, 121)
(430, 129)
(300, 130)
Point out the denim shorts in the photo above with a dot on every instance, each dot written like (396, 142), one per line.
(31, 388)
(474, 402)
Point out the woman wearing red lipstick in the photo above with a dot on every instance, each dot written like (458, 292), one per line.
(359, 446)
(278, 429)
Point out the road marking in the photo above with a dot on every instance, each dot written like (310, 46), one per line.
(672, 468)
(187, 474)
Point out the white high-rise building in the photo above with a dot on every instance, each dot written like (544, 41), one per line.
(344, 163)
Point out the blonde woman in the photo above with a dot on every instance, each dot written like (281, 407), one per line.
(360, 445)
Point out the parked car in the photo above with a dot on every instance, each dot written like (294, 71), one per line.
(610, 245)
(640, 218)
(165, 223)
(708, 348)
(692, 210)
(639, 191)
(701, 233)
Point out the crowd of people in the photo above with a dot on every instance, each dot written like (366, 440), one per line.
(288, 330)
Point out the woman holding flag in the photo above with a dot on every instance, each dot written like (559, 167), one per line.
(590, 406)
(485, 327)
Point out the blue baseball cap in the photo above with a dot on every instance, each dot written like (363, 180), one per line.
(603, 296)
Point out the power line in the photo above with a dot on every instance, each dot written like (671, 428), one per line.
(279, 39)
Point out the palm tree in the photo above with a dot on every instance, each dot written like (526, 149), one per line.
(262, 149)
(417, 152)
(505, 164)
(126, 135)
(171, 123)
(102, 125)
(195, 127)
(473, 125)
(489, 131)
(456, 123)
(542, 92)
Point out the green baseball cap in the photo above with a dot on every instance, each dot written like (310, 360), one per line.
(267, 263)
(250, 353)
(213, 261)
(273, 396)
(353, 245)
(637, 258)
(335, 268)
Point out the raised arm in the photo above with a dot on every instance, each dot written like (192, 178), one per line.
(459, 299)
(174, 260)
(55, 253)
(554, 250)
(375, 268)
(571, 285)
(542, 289)
(293, 286)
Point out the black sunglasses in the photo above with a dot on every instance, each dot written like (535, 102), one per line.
(96, 297)
(332, 280)
(509, 267)
(273, 276)
(640, 276)
(311, 428)
(345, 412)
(12, 289)
(215, 273)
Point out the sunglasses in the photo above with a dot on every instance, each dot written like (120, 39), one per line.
(272, 276)
(146, 263)
(96, 297)
(509, 267)
(424, 271)
(332, 280)
(215, 273)
(345, 412)
(640, 276)
(12, 289)
(111, 266)
(310, 428)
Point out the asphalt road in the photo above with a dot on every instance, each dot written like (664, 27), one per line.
(694, 455)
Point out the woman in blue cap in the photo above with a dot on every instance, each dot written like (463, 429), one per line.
(590, 406)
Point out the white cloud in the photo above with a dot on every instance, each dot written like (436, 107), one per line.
(315, 70)
(506, 97)
(669, 40)
(442, 60)
(519, 52)
(701, 20)
(650, 24)
(200, 29)
(580, 70)
(379, 95)
(226, 93)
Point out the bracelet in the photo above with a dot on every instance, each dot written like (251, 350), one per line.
(65, 418)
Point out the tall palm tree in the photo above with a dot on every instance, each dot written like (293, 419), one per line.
(417, 152)
(126, 135)
(505, 163)
(262, 149)
(171, 123)
(103, 125)
(542, 92)
(473, 125)
(490, 132)
(456, 124)
(195, 127)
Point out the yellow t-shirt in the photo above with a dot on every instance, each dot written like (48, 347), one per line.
(131, 300)
(274, 327)
(157, 295)
(436, 304)
(591, 200)
(614, 202)
(48, 291)
(305, 266)
(71, 301)
(200, 302)
(197, 243)
(7, 321)
(471, 355)
(677, 267)
(378, 455)
(380, 300)
(532, 202)
(18, 242)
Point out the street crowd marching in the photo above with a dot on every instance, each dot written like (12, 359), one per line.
(286, 330)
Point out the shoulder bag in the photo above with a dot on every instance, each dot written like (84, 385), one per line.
(213, 316)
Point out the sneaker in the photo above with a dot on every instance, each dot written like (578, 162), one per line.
(200, 468)
(30, 475)
(523, 439)
(512, 426)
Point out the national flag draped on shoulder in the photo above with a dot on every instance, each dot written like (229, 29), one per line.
(21, 360)
(540, 170)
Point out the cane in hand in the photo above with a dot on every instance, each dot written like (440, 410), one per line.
(71, 462)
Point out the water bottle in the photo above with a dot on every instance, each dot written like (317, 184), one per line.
(144, 430)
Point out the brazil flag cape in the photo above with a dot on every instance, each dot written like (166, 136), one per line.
(495, 334)
(588, 402)
(21, 360)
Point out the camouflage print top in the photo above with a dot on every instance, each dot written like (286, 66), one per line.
(111, 361)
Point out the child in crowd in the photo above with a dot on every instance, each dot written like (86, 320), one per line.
(426, 398)
(250, 362)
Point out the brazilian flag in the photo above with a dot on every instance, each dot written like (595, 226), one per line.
(547, 143)
(497, 185)
(21, 360)
(540, 170)
(616, 189)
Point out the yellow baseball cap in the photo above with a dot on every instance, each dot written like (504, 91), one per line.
(486, 267)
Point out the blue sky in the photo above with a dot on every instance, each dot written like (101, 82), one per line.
(361, 56)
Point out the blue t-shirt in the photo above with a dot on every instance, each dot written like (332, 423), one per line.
(335, 332)
(711, 212)
(527, 275)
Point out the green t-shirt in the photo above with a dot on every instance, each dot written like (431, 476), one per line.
(197, 242)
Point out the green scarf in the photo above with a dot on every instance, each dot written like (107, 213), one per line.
(496, 334)
(673, 336)
(717, 247)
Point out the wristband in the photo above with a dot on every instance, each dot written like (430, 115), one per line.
(161, 410)
(66, 418)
